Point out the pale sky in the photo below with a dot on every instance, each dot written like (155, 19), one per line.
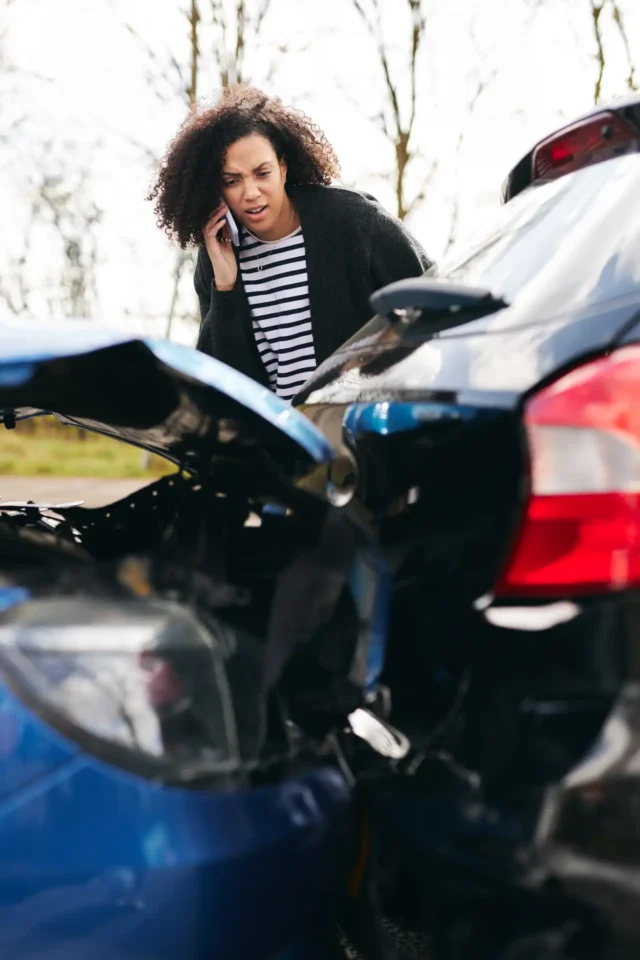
(82, 87)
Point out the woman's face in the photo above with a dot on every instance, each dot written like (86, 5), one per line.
(253, 185)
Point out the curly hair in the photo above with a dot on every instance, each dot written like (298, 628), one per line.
(187, 186)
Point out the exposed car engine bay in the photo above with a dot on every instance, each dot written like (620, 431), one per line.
(180, 540)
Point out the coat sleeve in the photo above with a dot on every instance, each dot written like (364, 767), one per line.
(395, 253)
(203, 285)
(220, 313)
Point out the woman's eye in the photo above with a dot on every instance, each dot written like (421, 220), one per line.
(264, 173)
(231, 183)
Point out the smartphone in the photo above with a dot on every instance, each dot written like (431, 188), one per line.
(233, 230)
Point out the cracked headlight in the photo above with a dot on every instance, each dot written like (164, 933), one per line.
(140, 684)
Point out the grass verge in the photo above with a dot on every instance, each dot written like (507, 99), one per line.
(46, 449)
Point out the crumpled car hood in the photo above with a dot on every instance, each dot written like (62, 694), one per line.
(158, 395)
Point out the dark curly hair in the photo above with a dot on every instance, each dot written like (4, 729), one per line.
(187, 187)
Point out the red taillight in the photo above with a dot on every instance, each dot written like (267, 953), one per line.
(559, 153)
(581, 529)
(597, 138)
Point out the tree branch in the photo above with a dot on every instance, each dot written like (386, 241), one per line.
(481, 86)
(156, 60)
(262, 13)
(194, 20)
(400, 135)
(182, 258)
(219, 21)
(417, 32)
(619, 21)
(365, 18)
(596, 11)
(241, 30)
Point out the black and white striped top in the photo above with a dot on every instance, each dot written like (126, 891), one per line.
(274, 276)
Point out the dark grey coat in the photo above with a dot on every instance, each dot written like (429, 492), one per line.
(353, 247)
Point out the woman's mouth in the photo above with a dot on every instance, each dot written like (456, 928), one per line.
(256, 213)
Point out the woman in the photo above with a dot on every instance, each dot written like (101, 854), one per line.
(309, 255)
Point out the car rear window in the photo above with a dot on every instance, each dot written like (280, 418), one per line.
(558, 245)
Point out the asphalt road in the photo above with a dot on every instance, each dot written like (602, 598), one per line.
(95, 492)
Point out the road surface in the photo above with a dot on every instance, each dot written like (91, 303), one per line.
(95, 491)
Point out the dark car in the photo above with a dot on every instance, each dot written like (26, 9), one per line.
(492, 413)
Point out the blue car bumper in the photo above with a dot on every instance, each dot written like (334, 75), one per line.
(97, 863)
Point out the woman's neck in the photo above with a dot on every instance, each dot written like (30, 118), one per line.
(286, 223)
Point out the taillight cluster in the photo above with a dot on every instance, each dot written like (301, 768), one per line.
(597, 138)
(581, 530)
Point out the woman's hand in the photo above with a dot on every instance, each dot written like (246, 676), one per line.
(220, 249)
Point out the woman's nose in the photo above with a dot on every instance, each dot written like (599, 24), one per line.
(251, 190)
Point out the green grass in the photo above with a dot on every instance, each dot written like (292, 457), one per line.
(46, 449)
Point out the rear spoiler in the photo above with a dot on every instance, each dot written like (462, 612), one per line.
(601, 133)
(436, 297)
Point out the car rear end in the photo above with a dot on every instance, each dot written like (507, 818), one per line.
(495, 438)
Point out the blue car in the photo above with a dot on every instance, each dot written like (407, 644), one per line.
(171, 676)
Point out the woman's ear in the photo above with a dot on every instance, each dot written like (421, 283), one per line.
(283, 168)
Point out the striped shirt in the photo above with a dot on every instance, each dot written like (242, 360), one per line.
(274, 276)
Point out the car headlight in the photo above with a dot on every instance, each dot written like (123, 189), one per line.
(142, 684)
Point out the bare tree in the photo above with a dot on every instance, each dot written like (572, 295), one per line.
(597, 8)
(14, 291)
(15, 285)
(62, 221)
(66, 204)
(7, 69)
(237, 27)
(397, 119)
(620, 24)
(480, 87)
(174, 74)
(212, 52)
(598, 12)
(194, 50)
(184, 259)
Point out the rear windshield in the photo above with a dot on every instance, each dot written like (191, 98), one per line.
(571, 242)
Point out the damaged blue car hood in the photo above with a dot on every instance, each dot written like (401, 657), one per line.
(158, 395)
